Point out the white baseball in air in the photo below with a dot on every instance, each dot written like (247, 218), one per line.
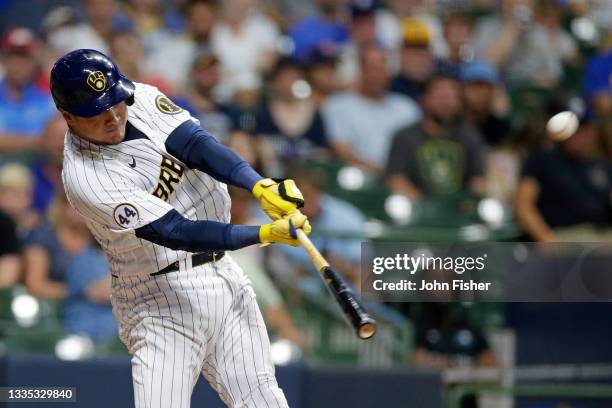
(562, 126)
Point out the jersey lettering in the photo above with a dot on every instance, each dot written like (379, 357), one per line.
(170, 174)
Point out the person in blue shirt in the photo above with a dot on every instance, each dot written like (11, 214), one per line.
(47, 171)
(597, 88)
(87, 310)
(24, 109)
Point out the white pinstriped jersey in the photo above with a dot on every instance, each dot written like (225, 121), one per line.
(119, 188)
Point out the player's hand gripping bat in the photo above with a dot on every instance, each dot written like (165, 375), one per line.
(359, 318)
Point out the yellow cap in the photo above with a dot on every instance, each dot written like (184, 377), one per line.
(415, 32)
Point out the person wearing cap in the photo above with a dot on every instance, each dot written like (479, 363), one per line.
(481, 93)
(24, 109)
(121, 137)
(564, 191)
(417, 63)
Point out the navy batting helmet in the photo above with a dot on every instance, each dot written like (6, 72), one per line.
(87, 83)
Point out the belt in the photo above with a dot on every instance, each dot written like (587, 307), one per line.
(197, 259)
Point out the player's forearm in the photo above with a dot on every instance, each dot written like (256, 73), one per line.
(176, 232)
(199, 150)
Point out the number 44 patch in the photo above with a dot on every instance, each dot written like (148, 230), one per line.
(126, 215)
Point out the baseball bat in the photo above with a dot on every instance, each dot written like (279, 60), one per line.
(358, 317)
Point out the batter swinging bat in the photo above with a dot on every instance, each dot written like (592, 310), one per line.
(359, 318)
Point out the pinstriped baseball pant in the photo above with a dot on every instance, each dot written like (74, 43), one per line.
(196, 320)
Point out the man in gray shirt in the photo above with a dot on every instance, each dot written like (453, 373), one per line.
(440, 155)
(361, 124)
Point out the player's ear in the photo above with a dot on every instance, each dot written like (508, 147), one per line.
(68, 117)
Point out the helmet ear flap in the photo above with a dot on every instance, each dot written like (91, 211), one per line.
(130, 101)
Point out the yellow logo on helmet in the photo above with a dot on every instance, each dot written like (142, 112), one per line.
(97, 81)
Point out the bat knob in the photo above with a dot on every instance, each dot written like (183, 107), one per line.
(366, 330)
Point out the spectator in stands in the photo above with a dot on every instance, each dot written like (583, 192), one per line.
(417, 63)
(200, 18)
(531, 50)
(46, 259)
(16, 195)
(597, 87)
(24, 109)
(360, 124)
(289, 124)
(127, 51)
(598, 92)
(47, 172)
(326, 27)
(500, 35)
(459, 48)
(440, 155)
(445, 338)
(87, 309)
(101, 18)
(362, 32)
(286, 13)
(152, 17)
(486, 106)
(220, 119)
(10, 259)
(245, 41)
(251, 260)
(564, 191)
(327, 214)
(390, 23)
(321, 73)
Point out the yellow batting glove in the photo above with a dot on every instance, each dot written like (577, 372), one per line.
(278, 199)
(284, 230)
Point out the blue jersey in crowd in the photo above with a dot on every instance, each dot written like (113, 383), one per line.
(27, 115)
(83, 316)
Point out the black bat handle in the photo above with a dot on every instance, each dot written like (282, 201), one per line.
(364, 324)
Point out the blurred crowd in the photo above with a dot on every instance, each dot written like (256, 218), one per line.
(431, 97)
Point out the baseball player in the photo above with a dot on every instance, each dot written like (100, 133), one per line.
(151, 185)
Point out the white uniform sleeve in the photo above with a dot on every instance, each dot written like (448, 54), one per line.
(103, 195)
(155, 114)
